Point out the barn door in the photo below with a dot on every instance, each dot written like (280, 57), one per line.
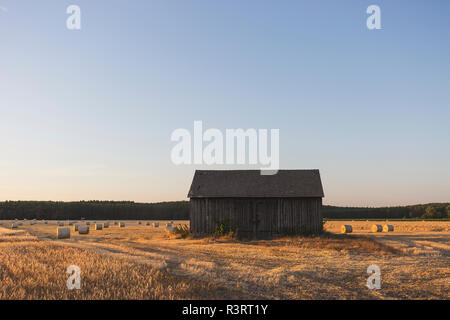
(262, 219)
(244, 212)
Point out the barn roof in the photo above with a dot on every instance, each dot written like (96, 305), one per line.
(251, 184)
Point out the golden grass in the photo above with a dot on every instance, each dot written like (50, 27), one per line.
(399, 226)
(340, 242)
(142, 262)
(37, 271)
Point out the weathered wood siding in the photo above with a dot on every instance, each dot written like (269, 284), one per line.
(257, 217)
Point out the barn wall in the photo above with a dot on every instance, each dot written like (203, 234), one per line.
(257, 217)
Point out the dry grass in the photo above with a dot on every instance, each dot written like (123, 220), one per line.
(31, 270)
(142, 262)
(341, 243)
(429, 238)
(399, 226)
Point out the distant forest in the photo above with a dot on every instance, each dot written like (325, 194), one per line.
(422, 211)
(94, 210)
(179, 210)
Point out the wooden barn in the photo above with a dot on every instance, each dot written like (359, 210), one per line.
(255, 205)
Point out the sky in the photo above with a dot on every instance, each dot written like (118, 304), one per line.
(88, 114)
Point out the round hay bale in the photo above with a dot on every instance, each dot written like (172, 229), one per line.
(122, 225)
(61, 224)
(63, 233)
(15, 225)
(376, 228)
(88, 223)
(83, 229)
(98, 226)
(45, 222)
(388, 228)
(346, 228)
(155, 224)
(116, 223)
(169, 229)
(147, 223)
(106, 225)
(32, 223)
(139, 222)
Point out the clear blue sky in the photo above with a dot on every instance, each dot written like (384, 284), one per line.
(88, 114)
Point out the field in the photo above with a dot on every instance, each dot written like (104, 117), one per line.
(144, 262)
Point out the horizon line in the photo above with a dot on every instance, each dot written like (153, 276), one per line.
(187, 200)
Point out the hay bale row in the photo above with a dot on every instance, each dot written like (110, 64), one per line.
(376, 228)
(373, 228)
(63, 233)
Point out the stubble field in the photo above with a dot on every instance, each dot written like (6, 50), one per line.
(144, 262)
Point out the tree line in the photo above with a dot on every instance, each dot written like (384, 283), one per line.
(179, 210)
(94, 210)
(422, 211)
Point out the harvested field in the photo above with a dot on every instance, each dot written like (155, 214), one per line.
(411, 237)
(144, 262)
(401, 226)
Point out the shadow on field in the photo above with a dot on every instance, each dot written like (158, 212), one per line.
(326, 241)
